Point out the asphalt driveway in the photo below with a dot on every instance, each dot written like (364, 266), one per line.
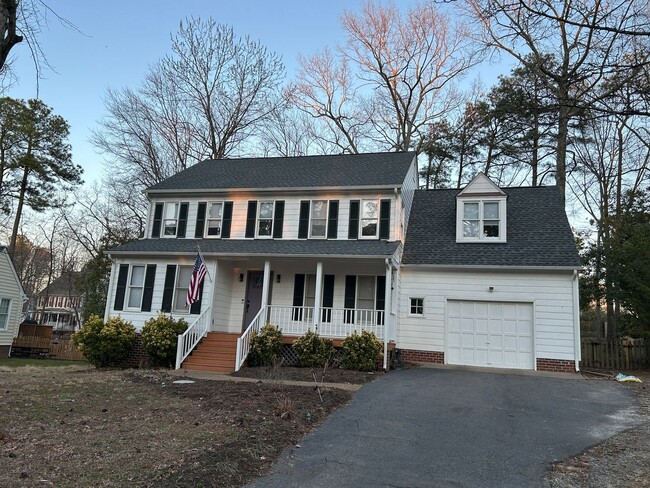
(451, 428)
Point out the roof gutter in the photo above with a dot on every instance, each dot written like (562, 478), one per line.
(165, 191)
(452, 267)
(258, 254)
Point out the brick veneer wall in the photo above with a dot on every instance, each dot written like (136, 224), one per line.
(416, 356)
(137, 358)
(4, 351)
(563, 365)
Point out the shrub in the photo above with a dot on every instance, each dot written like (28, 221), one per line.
(266, 346)
(361, 352)
(313, 350)
(105, 344)
(160, 338)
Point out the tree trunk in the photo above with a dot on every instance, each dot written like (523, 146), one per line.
(19, 211)
(562, 139)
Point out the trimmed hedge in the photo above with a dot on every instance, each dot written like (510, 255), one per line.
(313, 350)
(361, 352)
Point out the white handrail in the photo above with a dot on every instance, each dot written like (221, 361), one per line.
(244, 342)
(188, 340)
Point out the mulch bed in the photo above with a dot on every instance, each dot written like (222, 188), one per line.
(330, 375)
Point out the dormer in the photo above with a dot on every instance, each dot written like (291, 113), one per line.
(481, 212)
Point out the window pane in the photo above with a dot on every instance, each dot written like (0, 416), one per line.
(214, 227)
(137, 276)
(170, 227)
(215, 210)
(470, 228)
(4, 306)
(266, 210)
(182, 285)
(470, 211)
(366, 292)
(318, 227)
(491, 210)
(135, 297)
(369, 209)
(310, 290)
(170, 210)
(265, 227)
(319, 209)
(491, 228)
(368, 227)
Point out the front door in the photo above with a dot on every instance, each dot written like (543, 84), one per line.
(253, 297)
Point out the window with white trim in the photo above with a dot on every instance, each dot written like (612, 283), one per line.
(136, 286)
(318, 219)
(182, 285)
(265, 213)
(417, 307)
(481, 221)
(369, 220)
(170, 219)
(214, 219)
(4, 313)
(366, 292)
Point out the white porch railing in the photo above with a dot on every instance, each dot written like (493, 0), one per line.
(188, 340)
(244, 342)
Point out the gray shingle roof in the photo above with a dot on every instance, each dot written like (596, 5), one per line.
(265, 247)
(343, 170)
(538, 232)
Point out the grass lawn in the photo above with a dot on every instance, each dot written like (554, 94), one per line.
(43, 363)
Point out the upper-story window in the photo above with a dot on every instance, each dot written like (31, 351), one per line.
(214, 219)
(265, 218)
(170, 219)
(369, 218)
(318, 219)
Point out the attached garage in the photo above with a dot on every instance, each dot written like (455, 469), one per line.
(494, 334)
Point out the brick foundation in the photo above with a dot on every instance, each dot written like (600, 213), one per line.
(416, 356)
(137, 358)
(561, 365)
(4, 351)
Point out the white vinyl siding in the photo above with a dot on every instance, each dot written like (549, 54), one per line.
(9, 290)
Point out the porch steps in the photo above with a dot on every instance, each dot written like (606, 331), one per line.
(216, 352)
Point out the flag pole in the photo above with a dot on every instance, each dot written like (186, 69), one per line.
(206, 266)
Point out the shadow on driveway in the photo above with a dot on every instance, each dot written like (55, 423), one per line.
(448, 428)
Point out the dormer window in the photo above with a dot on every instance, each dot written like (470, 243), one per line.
(481, 212)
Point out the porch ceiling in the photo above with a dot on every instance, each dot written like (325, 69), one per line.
(261, 247)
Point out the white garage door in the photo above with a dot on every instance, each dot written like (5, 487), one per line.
(495, 334)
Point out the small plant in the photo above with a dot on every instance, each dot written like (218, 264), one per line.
(361, 352)
(285, 407)
(105, 344)
(266, 346)
(313, 350)
(160, 338)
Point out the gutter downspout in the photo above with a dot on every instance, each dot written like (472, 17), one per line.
(576, 320)
(387, 303)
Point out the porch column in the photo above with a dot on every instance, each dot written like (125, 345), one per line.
(266, 283)
(318, 294)
(388, 302)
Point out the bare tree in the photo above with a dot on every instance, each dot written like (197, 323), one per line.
(201, 101)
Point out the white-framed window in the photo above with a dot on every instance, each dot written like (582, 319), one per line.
(366, 294)
(5, 306)
(318, 219)
(481, 221)
(136, 286)
(369, 221)
(265, 211)
(214, 219)
(170, 219)
(182, 284)
(416, 307)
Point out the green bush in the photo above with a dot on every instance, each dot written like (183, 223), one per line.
(361, 352)
(105, 344)
(313, 350)
(160, 338)
(266, 346)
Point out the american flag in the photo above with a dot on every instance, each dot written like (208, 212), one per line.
(198, 274)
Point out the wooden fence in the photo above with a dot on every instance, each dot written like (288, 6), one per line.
(629, 354)
(45, 347)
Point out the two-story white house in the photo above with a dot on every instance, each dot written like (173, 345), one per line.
(324, 242)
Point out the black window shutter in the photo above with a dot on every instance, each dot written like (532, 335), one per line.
(380, 298)
(384, 219)
(303, 220)
(157, 220)
(353, 229)
(278, 219)
(250, 218)
(350, 298)
(195, 308)
(333, 220)
(328, 297)
(200, 220)
(120, 292)
(227, 219)
(147, 295)
(168, 289)
(182, 219)
(298, 293)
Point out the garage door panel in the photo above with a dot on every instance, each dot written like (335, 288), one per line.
(496, 334)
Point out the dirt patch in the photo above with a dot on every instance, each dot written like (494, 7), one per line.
(114, 428)
(330, 375)
(621, 461)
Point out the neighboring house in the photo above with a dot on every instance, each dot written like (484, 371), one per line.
(11, 302)
(483, 276)
(60, 303)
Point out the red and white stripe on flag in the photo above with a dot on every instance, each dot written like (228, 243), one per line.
(198, 274)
